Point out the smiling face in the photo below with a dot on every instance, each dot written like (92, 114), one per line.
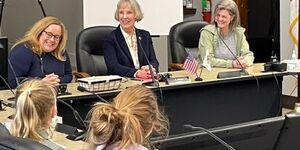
(223, 19)
(50, 38)
(126, 18)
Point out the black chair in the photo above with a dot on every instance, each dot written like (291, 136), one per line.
(89, 51)
(3, 130)
(16, 143)
(184, 37)
(8, 142)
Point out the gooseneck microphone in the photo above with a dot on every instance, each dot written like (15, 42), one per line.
(12, 105)
(13, 71)
(190, 127)
(243, 69)
(155, 82)
(42, 8)
(229, 74)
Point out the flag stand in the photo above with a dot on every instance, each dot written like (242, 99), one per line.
(198, 77)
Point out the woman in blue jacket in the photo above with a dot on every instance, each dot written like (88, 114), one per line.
(41, 53)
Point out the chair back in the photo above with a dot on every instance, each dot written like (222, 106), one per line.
(9, 142)
(184, 37)
(89, 50)
(3, 130)
(16, 143)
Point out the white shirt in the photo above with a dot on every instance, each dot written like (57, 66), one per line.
(131, 42)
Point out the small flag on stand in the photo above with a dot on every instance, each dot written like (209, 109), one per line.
(205, 61)
(190, 64)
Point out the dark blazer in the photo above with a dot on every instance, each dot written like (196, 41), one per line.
(26, 64)
(117, 55)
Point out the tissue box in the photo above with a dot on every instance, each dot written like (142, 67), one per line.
(100, 83)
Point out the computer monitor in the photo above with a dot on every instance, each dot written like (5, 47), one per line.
(258, 135)
(290, 134)
(3, 61)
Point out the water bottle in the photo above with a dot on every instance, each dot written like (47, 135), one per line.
(293, 63)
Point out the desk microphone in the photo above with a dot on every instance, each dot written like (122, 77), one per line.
(12, 105)
(231, 73)
(78, 135)
(190, 127)
(13, 71)
(155, 82)
(82, 89)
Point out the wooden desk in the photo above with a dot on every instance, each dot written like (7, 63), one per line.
(210, 103)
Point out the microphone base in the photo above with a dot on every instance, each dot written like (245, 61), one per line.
(230, 74)
(151, 83)
(77, 136)
(198, 79)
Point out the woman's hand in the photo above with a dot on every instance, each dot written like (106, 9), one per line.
(240, 63)
(52, 79)
(146, 68)
(143, 74)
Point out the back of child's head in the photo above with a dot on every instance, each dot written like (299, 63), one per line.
(129, 120)
(35, 100)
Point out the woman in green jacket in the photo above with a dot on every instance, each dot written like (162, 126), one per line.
(224, 40)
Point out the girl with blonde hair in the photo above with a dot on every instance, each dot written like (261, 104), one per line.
(128, 122)
(35, 108)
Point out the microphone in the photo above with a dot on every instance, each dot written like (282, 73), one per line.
(190, 127)
(13, 71)
(82, 89)
(42, 8)
(155, 82)
(78, 118)
(230, 73)
(12, 105)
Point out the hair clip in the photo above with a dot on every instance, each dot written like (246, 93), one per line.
(29, 92)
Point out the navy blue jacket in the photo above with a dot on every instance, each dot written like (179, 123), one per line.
(117, 55)
(27, 64)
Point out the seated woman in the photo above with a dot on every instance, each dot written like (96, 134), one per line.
(224, 39)
(35, 108)
(127, 48)
(41, 53)
(126, 123)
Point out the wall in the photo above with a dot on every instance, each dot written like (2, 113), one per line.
(286, 47)
(20, 15)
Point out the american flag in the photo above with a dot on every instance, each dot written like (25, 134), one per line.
(190, 64)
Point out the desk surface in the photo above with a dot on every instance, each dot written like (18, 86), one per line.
(209, 77)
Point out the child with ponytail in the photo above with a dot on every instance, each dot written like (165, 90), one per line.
(128, 122)
(35, 108)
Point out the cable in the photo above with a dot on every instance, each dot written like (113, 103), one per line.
(82, 89)
(279, 95)
(75, 113)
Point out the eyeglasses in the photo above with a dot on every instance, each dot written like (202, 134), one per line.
(49, 35)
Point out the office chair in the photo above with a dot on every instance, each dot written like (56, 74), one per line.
(8, 142)
(184, 38)
(89, 51)
(3, 130)
(16, 143)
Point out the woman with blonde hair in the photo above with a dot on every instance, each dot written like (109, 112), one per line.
(224, 39)
(128, 122)
(41, 53)
(128, 49)
(35, 108)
